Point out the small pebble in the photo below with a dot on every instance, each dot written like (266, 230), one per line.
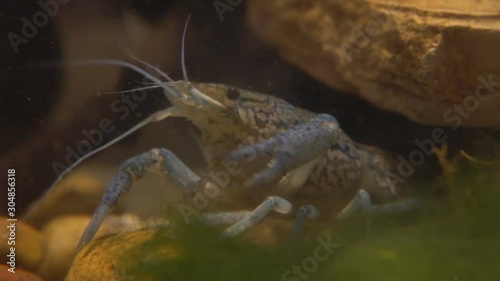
(29, 244)
(19, 275)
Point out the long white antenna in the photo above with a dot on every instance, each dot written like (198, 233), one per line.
(160, 115)
(183, 59)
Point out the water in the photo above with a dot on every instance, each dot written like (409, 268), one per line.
(48, 115)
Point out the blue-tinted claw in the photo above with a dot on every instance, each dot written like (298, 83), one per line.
(291, 149)
(99, 215)
(118, 185)
(134, 169)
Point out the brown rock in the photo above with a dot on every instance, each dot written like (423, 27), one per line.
(419, 58)
(110, 259)
(19, 275)
(29, 244)
(62, 235)
(157, 250)
(121, 257)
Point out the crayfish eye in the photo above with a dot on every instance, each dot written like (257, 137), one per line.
(232, 93)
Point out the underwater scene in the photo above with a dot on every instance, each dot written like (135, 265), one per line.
(263, 140)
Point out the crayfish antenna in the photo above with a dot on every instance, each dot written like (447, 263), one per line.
(183, 57)
(160, 115)
(162, 74)
(131, 90)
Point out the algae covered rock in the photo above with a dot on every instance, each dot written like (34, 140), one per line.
(114, 258)
(176, 252)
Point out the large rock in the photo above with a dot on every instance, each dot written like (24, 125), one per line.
(111, 259)
(62, 235)
(181, 252)
(424, 59)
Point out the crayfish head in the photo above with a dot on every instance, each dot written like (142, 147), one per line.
(228, 117)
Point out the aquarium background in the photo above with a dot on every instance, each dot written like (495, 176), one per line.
(46, 110)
